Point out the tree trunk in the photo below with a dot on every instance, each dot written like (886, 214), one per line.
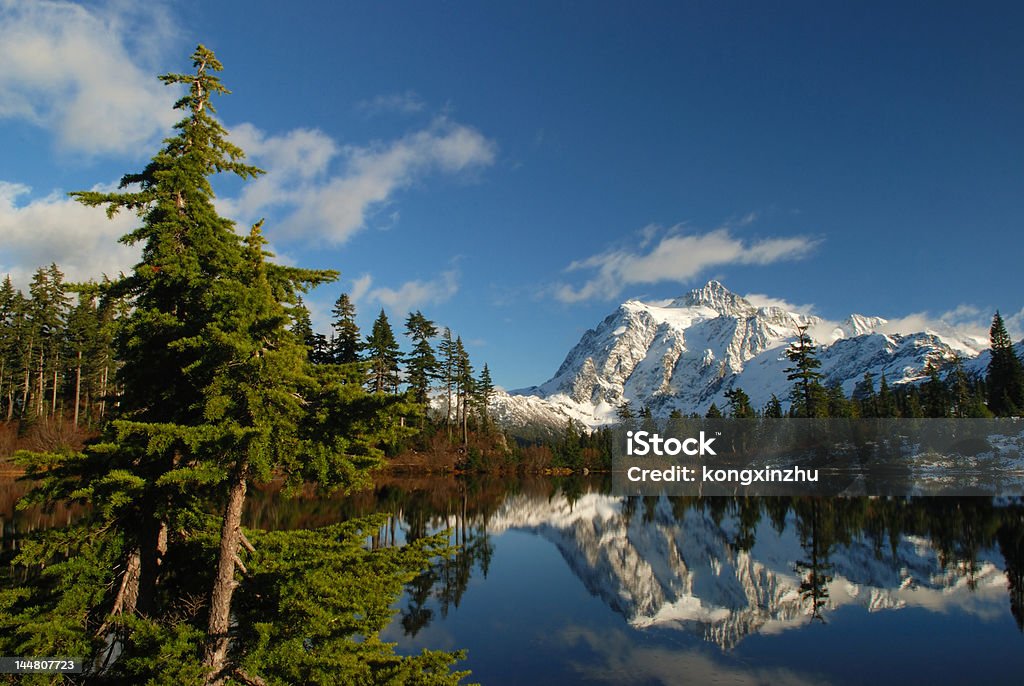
(465, 422)
(78, 386)
(224, 584)
(24, 390)
(40, 400)
(127, 596)
(152, 547)
(103, 392)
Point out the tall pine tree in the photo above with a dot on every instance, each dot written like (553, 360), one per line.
(421, 364)
(347, 345)
(383, 355)
(216, 394)
(1005, 374)
(809, 399)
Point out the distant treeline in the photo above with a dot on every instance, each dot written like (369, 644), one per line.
(57, 361)
(58, 366)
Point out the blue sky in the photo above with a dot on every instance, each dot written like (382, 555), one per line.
(517, 169)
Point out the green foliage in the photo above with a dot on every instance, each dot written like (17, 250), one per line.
(422, 364)
(935, 394)
(383, 355)
(886, 402)
(484, 392)
(569, 451)
(346, 342)
(217, 391)
(739, 404)
(315, 601)
(838, 404)
(1005, 374)
(773, 409)
(309, 610)
(808, 396)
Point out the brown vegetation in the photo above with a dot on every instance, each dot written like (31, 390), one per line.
(53, 434)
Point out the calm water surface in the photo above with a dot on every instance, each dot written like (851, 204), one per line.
(557, 582)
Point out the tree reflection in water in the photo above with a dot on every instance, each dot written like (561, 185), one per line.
(958, 530)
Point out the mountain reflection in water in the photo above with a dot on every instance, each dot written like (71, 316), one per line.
(557, 582)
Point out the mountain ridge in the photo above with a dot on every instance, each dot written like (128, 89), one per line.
(686, 353)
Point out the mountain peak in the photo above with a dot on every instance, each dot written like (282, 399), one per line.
(716, 296)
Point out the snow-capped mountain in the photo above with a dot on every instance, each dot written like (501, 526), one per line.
(687, 353)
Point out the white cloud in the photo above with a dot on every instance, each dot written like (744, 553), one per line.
(677, 258)
(411, 295)
(1015, 325)
(403, 103)
(76, 71)
(360, 287)
(56, 228)
(336, 207)
(963, 319)
(762, 300)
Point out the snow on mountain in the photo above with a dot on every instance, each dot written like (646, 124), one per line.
(686, 353)
(684, 573)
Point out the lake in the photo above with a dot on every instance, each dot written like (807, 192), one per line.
(558, 582)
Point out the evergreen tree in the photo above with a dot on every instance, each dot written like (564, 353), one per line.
(807, 394)
(82, 332)
(911, 406)
(484, 394)
(739, 404)
(449, 364)
(383, 355)
(217, 393)
(773, 409)
(935, 395)
(838, 404)
(713, 412)
(464, 387)
(1005, 374)
(302, 323)
(570, 451)
(317, 349)
(965, 393)
(886, 403)
(864, 396)
(347, 346)
(421, 365)
(11, 311)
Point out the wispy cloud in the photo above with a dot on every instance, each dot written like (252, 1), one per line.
(761, 300)
(78, 72)
(403, 103)
(411, 295)
(360, 287)
(1015, 325)
(55, 228)
(964, 319)
(335, 206)
(676, 257)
